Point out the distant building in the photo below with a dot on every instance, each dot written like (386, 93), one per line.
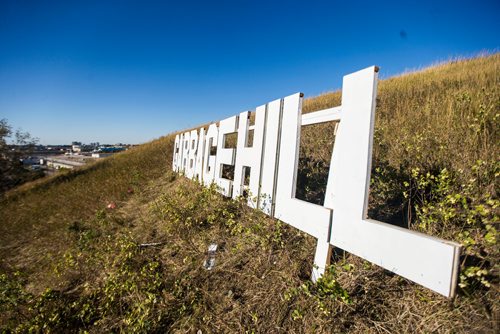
(76, 147)
(59, 163)
(111, 149)
(101, 154)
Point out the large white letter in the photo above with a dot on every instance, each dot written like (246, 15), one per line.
(177, 155)
(249, 156)
(198, 172)
(225, 156)
(185, 151)
(429, 261)
(193, 151)
(310, 218)
(210, 159)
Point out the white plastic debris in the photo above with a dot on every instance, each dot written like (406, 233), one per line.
(210, 261)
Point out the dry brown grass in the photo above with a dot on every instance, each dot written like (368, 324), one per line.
(36, 216)
(57, 234)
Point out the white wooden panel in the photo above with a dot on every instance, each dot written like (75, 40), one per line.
(225, 156)
(322, 258)
(269, 158)
(210, 160)
(249, 156)
(181, 152)
(322, 116)
(310, 218)
(200, 153)
(177, 154)
(428, 261)
(185, 150)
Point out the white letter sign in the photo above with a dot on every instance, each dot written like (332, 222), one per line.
(267, 172)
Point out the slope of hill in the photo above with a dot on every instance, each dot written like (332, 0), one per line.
(70, 264)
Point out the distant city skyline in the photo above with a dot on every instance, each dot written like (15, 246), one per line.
(132, 71)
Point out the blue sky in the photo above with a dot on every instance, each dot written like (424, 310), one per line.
(131, 71)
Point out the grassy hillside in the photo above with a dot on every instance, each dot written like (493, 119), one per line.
(69, 264)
